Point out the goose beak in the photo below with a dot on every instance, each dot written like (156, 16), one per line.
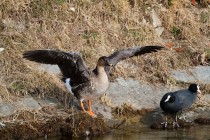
(109, 64)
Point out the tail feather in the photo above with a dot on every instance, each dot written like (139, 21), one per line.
(68, 85)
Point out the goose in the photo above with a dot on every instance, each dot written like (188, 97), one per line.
(83, 83)
(174, 102)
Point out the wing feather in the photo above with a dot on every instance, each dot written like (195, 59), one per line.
(71, 64)
(123, 54)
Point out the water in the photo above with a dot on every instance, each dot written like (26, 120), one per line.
(144, 133)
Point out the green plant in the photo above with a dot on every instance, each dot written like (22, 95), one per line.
(90, 34)
(175, 31)
(204, 17)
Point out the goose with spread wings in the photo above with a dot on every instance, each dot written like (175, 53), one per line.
(83, 83)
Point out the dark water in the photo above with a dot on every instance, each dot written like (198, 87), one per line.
(144, 133)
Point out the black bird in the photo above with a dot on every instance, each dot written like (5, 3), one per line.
(83, 83)
(175, 102)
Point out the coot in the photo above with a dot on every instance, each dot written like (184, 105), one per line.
(175, 102)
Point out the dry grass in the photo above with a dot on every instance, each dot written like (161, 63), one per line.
(128, 114)
(96, 28)
(74, 125)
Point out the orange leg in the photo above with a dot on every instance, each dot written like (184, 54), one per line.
(82, 105)
(90, 109)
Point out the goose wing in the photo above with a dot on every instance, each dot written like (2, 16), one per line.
(123, 54)
(71, 64)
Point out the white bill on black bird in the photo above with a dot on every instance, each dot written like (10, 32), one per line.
(175, 102)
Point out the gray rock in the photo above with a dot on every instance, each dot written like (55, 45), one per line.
(103, 110)
(207, 98)
(18, 25)
(136, 93)
(28, 103)
(47, 102)
(53, 69)
(6, 109)
(159, 31)
(1, 49)
(199, 74)
(156, 22)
